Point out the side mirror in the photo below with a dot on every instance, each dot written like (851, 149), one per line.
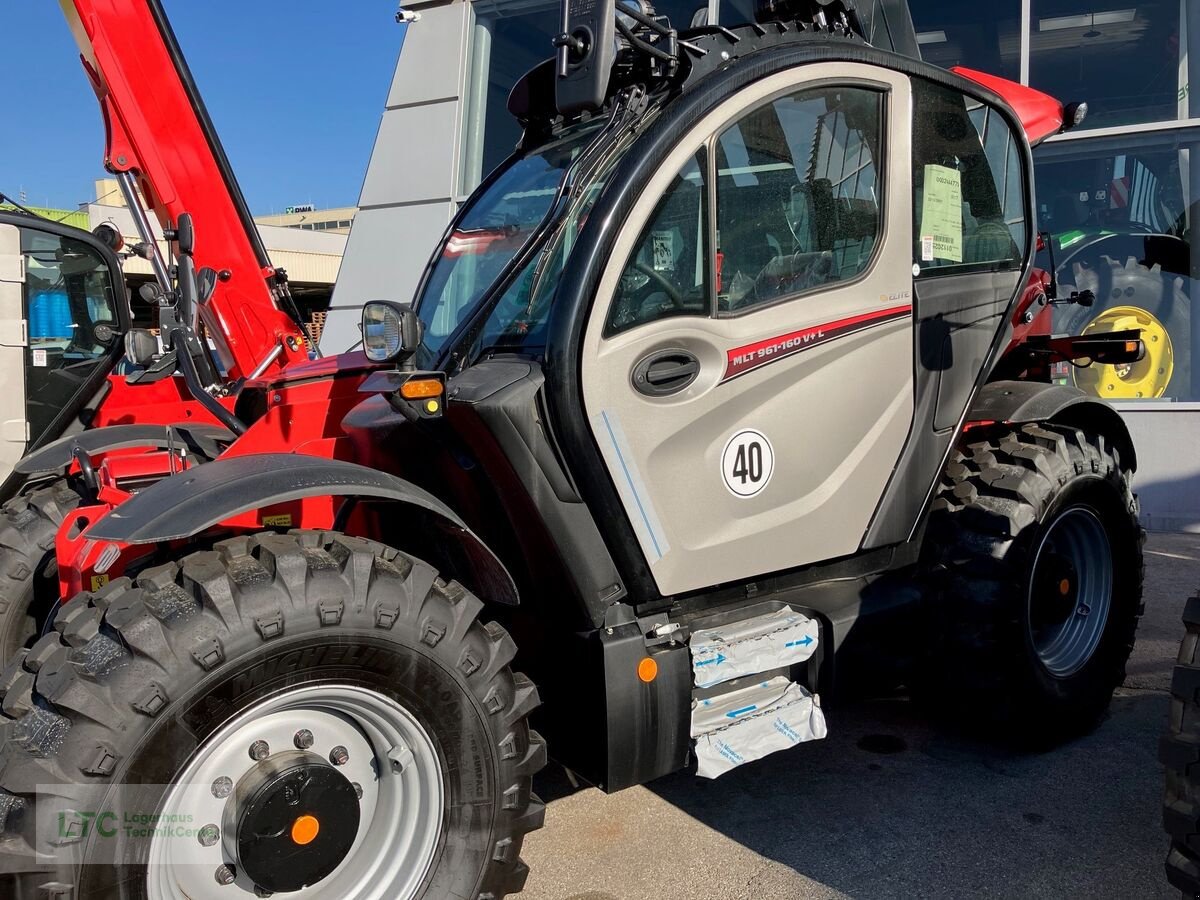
(391, 331)
(141, 347)
(185, 235)
(206, 283)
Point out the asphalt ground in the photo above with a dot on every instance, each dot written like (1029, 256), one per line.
(938, 815)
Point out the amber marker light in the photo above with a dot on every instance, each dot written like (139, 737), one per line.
(420, 388)
(647, 669)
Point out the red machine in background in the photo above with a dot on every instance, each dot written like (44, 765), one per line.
(225, 315)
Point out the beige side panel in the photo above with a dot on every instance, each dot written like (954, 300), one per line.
(13, 340)
(836, 415)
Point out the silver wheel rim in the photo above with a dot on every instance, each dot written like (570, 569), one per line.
(1078, 539)
(391, 758)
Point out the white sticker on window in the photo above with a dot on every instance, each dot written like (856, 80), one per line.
(941, 212)
(664, 251)
(39, 358)
(747, 463)
(927, 248)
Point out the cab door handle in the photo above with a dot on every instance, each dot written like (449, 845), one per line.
(665, 372)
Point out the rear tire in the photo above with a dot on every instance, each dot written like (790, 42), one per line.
(28, 576)
(1180, 755)
(1033, 536)
(142, 682)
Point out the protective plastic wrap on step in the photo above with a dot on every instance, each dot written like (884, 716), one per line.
(750, 646)
(749, 723)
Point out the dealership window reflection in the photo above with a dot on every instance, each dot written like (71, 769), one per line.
(1120, 212)
(984, 36)
(1126, 59)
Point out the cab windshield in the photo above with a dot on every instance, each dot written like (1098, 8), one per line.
(493, 230)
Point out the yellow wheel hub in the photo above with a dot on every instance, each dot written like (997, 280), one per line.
(1147, 378)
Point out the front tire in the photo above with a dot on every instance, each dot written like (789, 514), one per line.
(207, 671)
(1035, 553)
(28, 577)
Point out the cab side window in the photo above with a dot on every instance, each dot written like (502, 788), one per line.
(799, 192)
(667, 273)
(968, 183)
(70, 305)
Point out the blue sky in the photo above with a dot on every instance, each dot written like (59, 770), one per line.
(296, 89)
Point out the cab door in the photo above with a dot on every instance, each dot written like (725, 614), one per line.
(14, 431)
(63, 313)
(748, 362)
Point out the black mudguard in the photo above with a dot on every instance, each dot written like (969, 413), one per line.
(191, 502)
(203, 440)
(1035, 401)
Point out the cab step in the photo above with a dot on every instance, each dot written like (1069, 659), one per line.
(779, 638)
(748, 723)
(745, 704)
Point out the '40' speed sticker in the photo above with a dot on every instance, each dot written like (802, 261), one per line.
(747, 462)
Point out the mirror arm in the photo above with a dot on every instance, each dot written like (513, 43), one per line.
(1048, 240)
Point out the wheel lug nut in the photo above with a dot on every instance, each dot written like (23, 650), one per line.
(222, 787)
(259, 751)
(303, 739)
(339, 755)
(208, 835)
(225, 874)
(357, 789)
(261, 892)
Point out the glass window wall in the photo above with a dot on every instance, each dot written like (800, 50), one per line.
(1120, 213)
(1127, 59)
(983, 36)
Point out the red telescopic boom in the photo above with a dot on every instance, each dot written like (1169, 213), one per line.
(159, 137)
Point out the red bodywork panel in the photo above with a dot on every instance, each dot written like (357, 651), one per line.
(303, 414)
(156, 131)
(1040, 114)
(1033, 306)
(165, 402)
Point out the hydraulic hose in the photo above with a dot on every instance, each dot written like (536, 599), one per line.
(191, 378)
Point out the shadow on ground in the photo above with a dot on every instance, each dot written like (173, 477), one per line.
(891, 805)
(938, 814)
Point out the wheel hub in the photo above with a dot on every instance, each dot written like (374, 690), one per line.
(1070, 591)
(1057, 590)
(294, 819)
(1148, 377)
(319, 793)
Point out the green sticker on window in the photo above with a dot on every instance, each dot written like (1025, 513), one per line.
(941, 215)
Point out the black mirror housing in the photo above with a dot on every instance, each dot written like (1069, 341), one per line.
(391, 331)
(141, 347)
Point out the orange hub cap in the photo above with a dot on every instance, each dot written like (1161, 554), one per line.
(305, 829)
